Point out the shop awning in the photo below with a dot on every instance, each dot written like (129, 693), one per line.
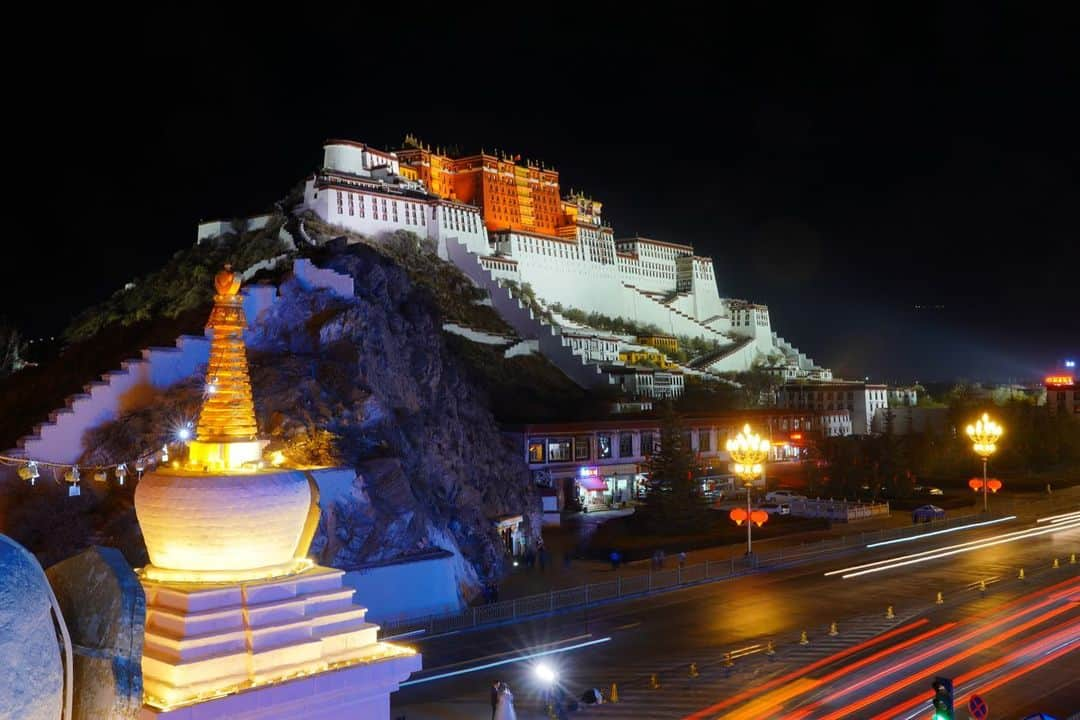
(592, 483)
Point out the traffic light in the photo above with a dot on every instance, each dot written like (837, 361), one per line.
(943, 698)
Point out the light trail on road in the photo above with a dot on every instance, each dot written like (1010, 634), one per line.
(913, 538)
(769, 706)
(739, 697)
(1060, 518)
(1028, 647)
(932, 669)
(497, 663)
(995, 638)
(946, 551)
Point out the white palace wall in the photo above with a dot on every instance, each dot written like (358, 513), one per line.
(371, 214)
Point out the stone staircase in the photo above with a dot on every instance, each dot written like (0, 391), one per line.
(714, 362)
(687, 325)
(549, 338)
(60, 438)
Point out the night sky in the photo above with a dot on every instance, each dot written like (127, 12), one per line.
(902, 189)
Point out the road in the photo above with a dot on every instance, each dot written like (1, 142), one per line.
(663, 634)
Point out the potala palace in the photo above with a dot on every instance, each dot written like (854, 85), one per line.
(507, 224)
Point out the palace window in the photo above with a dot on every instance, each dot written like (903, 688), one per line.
(582, 447)
(626, 444)
(558, 450)
(603, 446)
(704, 440)
(536, 450)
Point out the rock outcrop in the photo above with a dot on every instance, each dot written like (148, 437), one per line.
(368, 382)
(31, 673)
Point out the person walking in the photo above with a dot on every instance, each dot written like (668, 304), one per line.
(504, 710)
(494, 697)
(682, 559)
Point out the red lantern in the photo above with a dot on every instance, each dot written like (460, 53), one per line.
(994, 485)
(738, 515)
(759, 517)
(975, 483)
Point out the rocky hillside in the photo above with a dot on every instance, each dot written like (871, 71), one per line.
(367, 382)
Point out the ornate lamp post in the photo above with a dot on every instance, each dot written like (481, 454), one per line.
(984, 435)
(749, 451)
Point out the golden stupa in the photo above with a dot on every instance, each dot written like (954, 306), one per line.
(225, 438)
(239, 621)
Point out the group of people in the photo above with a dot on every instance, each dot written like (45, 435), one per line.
(541, 555)
(502, 701)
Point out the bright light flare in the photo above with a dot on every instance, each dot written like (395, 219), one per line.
(545, 674)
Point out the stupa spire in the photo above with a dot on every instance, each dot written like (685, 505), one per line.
(226, 434)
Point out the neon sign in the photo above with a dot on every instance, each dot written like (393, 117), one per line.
(588, 472)
(1059, 380)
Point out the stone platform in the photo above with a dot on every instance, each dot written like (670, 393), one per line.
(265, 649)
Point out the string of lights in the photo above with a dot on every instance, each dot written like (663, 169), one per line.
(30, 469)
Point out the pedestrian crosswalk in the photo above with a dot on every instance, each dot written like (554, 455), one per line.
(679, 691)
(720, 675)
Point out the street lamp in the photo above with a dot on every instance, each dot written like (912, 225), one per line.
(984, 435)
(749, 453)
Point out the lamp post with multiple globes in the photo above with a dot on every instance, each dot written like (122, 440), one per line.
(984, 435)
(749, 451)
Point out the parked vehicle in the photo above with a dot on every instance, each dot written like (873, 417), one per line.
(927, 490)
(777, 496)
(777, 508)
(926, 513)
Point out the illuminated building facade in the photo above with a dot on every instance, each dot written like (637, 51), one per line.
(1062, 395)
(499, 218)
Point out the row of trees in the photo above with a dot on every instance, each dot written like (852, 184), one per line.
(1035, 443)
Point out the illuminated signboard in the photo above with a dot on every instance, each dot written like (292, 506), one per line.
(1059, 380)
(588, 472)
(796, 436)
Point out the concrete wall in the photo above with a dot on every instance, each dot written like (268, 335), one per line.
(409, 588)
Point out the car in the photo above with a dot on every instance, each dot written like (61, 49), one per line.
(777, 508)
(927, 490)
(926, 513)
(783, 496)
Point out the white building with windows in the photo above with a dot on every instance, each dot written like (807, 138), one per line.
(361, 190)
(517, 228)
(861, 400)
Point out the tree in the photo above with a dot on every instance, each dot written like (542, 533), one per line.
(674, 503)
(12, 350)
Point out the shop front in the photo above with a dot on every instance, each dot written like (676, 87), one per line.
(509, 529)
(593, 491)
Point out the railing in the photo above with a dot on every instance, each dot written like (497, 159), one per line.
(584, 596)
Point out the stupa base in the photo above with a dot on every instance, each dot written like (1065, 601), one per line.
(225, 456)
(356, 691)
(243, 646)
(273, 572)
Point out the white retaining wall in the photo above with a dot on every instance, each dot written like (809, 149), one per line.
(60, 439)
(428, 586)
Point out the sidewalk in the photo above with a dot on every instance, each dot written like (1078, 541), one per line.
(525, 582)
